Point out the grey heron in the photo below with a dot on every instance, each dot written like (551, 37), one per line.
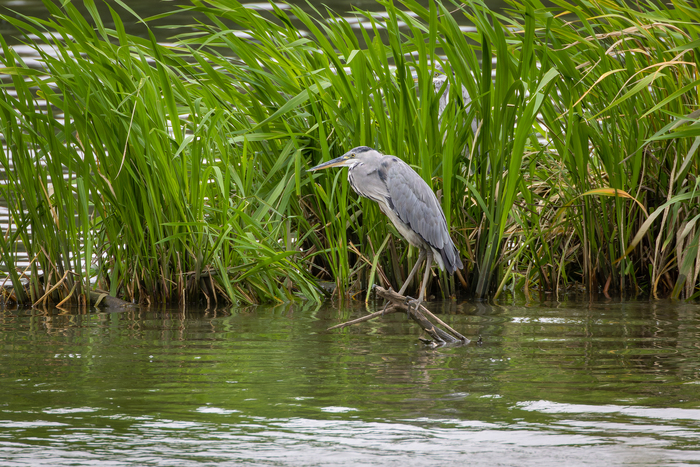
(407, 201)
(465, 102)
(440, 80)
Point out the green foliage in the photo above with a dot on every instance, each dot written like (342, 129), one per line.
(182, 164)
(135, 163)
(628, 78)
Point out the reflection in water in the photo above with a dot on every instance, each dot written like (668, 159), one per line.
(610, 383)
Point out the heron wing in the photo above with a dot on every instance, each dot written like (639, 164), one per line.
(416, 204)
(418, 207)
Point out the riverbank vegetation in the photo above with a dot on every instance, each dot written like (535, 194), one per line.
(175, 172)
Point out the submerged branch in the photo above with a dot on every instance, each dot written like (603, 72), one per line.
(105, 300)
(399, 303)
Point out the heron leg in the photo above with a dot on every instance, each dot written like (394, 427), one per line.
(421, 257)
(426, 275)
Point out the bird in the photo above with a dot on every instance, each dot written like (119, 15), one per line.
(440, 80)
(409, 203)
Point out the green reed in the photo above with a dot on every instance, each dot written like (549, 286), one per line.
(628, 75)
(162, 197)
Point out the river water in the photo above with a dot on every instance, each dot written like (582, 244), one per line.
(609, 383)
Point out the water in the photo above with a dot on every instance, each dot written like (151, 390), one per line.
(553, 384)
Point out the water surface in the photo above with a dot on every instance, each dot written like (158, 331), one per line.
(553, 384)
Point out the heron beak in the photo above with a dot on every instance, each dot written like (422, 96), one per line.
(337, 162)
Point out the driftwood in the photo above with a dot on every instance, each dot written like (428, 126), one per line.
(95, 298)
(106, 300)
(399, 303)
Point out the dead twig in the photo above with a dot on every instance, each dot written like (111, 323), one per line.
(364, 318)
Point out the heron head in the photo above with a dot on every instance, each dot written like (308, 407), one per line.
(349, 159)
